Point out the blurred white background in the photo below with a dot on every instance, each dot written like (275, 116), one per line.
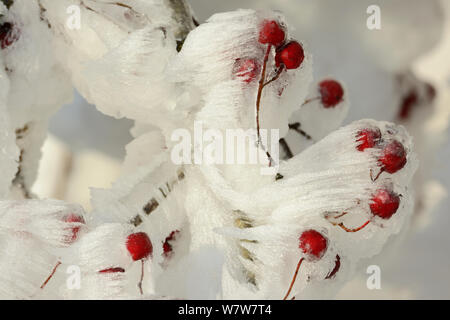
(85, 148)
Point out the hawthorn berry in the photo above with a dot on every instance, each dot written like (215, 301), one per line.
(271, 33)
(393, 157)
(368, 138)
(246, 68)
(384, 203)
(291, 55)
(7, 35)
(167, 247)
(74, 218)
(313, 244)
(331, 93)
(139, 246)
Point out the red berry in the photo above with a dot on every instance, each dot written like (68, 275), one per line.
(368, 138)
(331, 93)
(7, 35)
(112, 270)
(71, 218)
(271, 33)
(139, 245)
(291, 55)
(313, 244)
(167, 247)
(246, 68)
(384, 203)
(393, 157)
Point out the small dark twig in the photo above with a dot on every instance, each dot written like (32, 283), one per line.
(286, 148)
(296, 127)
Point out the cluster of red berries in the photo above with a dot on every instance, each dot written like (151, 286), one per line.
(288, 55)
(393, 155)
(384, 202)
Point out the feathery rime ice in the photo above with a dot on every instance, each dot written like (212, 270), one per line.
(217, 231)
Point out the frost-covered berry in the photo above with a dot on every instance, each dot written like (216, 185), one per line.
(331, 93)
(271, 33)
(7, 35)
(167, 247)
(384, 203)
(139, 246)
(291, 55)
(112, 270)
(247, 69)
(313, 244)
(368, 138)
(71, 218)
(393, 157)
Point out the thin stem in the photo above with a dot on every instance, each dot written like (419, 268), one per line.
(353, 230)
(340, 215)
(327, 216)
(260, 88)
(309, 100)
(51, 275)
(378, 175)
(293, 279)
(296, 127)
(142, 277)
(278, 74)
(337, 265)
(286, 148)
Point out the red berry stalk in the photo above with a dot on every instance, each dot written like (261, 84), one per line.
(384, 204)
(140, 248)
(289, 56)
